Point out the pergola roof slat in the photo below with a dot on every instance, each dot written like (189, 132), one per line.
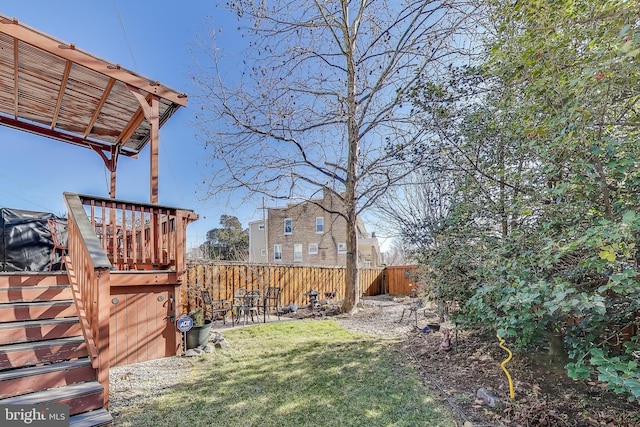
(51, 88)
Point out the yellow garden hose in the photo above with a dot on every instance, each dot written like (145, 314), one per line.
(511, 392)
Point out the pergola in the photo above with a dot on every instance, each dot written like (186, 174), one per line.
(51, 88)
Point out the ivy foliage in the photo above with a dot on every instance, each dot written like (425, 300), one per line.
(543, 229)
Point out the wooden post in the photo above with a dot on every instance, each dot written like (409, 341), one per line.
(154, 121)
(150, 106)
(102, 289)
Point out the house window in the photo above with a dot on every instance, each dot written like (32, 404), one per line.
(288, 226)
(261, 227)
(342, 248)
(297, 252)
(263, 252)
(277, 252)
(319, 224)
(313, 248)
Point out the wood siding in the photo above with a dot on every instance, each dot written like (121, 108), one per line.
(142, 323)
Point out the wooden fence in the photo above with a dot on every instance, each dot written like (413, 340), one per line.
(222, 280)
(401, 280)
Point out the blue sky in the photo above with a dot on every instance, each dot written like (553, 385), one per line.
(152, 38)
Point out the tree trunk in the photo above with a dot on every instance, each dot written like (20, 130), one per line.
(556, 346)
(351, 286)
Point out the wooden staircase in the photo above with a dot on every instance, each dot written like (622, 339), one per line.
(43, 354)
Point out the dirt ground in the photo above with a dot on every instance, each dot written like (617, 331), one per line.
(544, 394)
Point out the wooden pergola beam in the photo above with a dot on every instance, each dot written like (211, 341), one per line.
(72, 139)
(150, 108)
(63, 86)
(69, 52)
(96, 113)
(67, 94)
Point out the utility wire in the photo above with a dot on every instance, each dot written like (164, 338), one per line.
(164, 153)
(124, 30)
(30, 201)
(32, 188)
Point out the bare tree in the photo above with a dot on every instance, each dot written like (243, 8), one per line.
(418, 209)
(398, 253)
(320, 100)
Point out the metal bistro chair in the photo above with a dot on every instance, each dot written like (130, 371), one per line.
(238, 302)
(214, 308)
(271, 299)
(246, 304)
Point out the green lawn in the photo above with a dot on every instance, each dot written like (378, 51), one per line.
(297, 373)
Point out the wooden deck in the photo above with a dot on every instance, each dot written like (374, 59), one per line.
(57, 91)
(114, 305)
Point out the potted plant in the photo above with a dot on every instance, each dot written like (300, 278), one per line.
(198, 335)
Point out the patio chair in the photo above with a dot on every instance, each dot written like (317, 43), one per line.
(270, 300)
(215, 308)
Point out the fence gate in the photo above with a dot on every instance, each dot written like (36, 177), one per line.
(400, 280)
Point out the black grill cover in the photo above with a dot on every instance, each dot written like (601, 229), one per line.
(26, 243)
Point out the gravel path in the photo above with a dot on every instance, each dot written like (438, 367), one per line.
(379, 316)
(132, 384)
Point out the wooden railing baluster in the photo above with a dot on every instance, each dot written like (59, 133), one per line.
(89, 274)
(139, 236)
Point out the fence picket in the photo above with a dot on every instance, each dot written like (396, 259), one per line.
(222, 279)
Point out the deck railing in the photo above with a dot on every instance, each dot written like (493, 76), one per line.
(106, 235)
(89, 271)
(139, 236)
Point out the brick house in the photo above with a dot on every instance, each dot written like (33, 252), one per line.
(305, 233)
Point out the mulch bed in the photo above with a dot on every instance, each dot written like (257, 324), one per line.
(544, 394)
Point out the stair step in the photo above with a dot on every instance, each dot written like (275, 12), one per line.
(47, 351)
(27, 380)
(36, 330)
(36, 293)
(81, 397)
(97, 418)
(11, 312)
(34, 279)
